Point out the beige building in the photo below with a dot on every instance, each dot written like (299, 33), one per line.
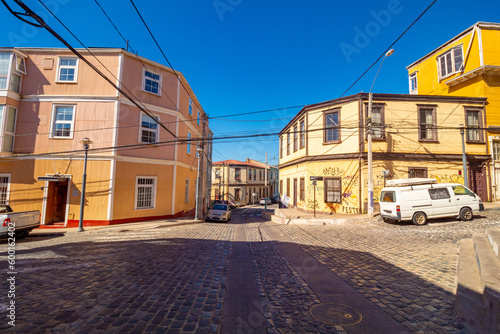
(140, 165)
(413, 136)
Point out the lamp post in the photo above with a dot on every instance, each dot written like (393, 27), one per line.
(198, 185)
(86, 143)
(464, 158)
(370, 134)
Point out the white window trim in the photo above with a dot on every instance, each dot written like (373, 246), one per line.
(52, 121)
(20, 81)
(188, 143)
(3, 127)
(187, 189)
(59, 68)
(8, 186)
(139, 139)
(16, 56)
(410, 77)
(153, 200)
(144, 82)
(453, 71)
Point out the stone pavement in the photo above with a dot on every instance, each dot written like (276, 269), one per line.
(173, 277)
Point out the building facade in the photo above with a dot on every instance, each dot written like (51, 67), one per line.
(468, 65)
(142, 164)
(413, 136)
(242, 182)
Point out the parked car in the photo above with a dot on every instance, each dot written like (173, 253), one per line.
(17, 224)
(264, 200)
(219, 212)
(420, 199)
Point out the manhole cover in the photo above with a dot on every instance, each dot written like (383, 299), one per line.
(336, 314)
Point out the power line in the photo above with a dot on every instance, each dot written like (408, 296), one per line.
(257, 112)
(388, 48)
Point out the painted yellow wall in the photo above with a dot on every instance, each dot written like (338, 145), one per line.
(182, 174)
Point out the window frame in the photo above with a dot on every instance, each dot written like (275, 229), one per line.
(54, 121)
(302, 136)
(237, 174)
(302, 189)
(187, 186)
(295, 138)
(16, 57)
(281, 147)
(188, 143)
(7, 188)
(59, 67)
(198, 118)
(433, 127)
(3, 127)
(451, 53)
(153, 192)
(190, 107)
(141, 129)
(478, 127)
(380, 125)
(413, 170)
(495, 150)
(157, 81)
(288, 143)
(325, 180)
(335, 128)
(237, 194)
(11, 82)
(413, 83)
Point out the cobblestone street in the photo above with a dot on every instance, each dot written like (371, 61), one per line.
(171, 279)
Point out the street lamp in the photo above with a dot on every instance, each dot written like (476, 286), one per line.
(198, 185)
(85, 142)
(464, 158)
(370, 134)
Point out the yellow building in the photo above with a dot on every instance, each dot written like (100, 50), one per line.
(468, 65)
(143, 160)
(413, 136)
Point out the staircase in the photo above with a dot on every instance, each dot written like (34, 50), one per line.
(478, 287)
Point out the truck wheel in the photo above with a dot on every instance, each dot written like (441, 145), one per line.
(419, 218)
(466, 214)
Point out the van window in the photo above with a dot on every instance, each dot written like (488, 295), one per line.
(439, 193)
(460, 190)
(388, 196)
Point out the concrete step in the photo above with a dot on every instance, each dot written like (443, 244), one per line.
(493, 235)
(489, 264)
(469, 305)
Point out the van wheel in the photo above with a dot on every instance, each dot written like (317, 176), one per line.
(419, 218)
(466, 214)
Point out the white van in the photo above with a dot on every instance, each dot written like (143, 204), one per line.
(419, 199)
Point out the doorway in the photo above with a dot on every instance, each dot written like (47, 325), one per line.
(295, 192)
(477, 180)
(55, 206)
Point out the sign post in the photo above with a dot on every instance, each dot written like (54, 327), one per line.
(314, 180)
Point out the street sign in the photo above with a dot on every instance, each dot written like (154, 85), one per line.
(316, 178)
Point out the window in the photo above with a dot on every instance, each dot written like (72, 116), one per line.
(145, 192)
(461, 190)
(20, 64)
(15, 83)
(190, 107)
(198, 119)
(388, 196)
(237, 174)
(332, 127)
(333, 190)
(377, 121)
(151, 82)
(4, 188)
(288, 143)
(67, 70)
(302, 196)
(260, 175)
(295, 143)
(4, 69)
(255, 174)
(186, 191)
(496, 150)
(473, 124)
(412, 80)
(188, 145)
(217, 173)
(281, 147)
(63, 121)
(439, 193)
(8, 126)
(149, 130)
(302, 133)
(450, 62)
(281, 187)
(427, 129)
(417, 172)
(237, 194)
(288, 187)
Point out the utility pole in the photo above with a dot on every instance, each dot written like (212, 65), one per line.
(464, 157)
(265, 186)
(200, 184)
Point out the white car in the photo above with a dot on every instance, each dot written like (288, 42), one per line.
(219, 212)
(264, 200)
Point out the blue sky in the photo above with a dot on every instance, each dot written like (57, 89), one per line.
(249, 55)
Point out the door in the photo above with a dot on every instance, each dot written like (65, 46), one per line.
(295, 192)
(477, 180)
(443, 204)
(56, 202)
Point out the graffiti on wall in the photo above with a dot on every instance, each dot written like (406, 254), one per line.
(330, 171)
(453, 178)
